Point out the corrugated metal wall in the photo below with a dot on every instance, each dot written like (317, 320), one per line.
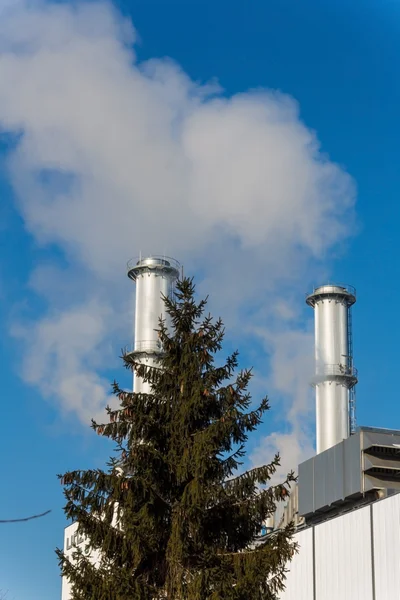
(343, 558)
(386, 528)
(299, 582)
(353, 557)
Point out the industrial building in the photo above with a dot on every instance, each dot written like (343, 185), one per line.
(355, 556)
(346, 505)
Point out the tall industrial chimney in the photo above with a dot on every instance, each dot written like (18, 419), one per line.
(335, 375)
(155, 277)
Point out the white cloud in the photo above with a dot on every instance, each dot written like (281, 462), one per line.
(64, 352)
(293, 447)
(113, 157)
(292, 367)
(291, 370)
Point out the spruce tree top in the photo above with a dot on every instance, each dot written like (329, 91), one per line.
(173, 517)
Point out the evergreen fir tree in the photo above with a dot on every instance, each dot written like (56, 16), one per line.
(173, 517)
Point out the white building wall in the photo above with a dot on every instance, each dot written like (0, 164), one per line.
(71, 541)
(299, 581)
(343, 569)
(386, 526)
(353, 557)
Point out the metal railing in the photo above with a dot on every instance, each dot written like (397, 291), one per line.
(327, 289)
(336, 370)
(162, 261)
(342, 374)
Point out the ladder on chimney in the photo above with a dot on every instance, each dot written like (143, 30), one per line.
(352, 390)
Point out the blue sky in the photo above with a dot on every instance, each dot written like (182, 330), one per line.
(100, 159)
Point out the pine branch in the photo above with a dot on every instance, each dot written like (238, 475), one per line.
(259, 474)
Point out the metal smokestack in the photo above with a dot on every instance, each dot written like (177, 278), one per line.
(155, 277)
(335, 375)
